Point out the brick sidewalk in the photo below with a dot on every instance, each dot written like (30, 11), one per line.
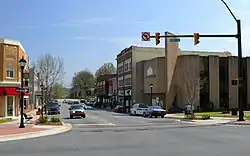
(10, 129)
(235, 122)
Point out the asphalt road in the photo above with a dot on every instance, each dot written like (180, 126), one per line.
(223, 140)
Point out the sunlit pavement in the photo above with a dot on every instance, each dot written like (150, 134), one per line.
(223, 140)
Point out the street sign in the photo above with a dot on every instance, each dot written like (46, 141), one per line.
(19, 90)
(145, 36)
(174, 40)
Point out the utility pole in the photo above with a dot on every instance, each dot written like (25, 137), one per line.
(241, 78)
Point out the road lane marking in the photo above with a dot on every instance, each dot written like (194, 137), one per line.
(108, 124)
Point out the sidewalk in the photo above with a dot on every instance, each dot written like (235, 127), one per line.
(212, 121)
(10, 131)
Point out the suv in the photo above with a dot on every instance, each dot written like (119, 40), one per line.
(138, 109)
(53, 108)
(77, 110)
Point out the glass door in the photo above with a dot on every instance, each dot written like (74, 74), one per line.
(10, 105)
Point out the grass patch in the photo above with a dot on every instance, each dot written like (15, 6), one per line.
(218, 114)
(5, 120)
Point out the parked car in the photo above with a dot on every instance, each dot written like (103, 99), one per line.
(76, 102)
(138, 109)
(155, 111)
(77, 110)
(53, 108)
(120, 109)
(70, 102)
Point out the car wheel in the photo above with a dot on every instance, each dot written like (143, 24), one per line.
(144, 115)
(134, 113)
(84, 116)
(162, 116)
(150, 115)
(156, 116)
(71, 117)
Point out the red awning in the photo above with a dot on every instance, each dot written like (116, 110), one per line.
(10, 91)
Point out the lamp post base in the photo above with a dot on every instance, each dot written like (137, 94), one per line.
(22, 126)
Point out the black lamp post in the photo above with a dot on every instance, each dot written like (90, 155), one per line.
(151, 92)
(22, 64)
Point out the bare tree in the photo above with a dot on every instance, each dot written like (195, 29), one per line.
(106, 68)
(190, 81)
(51, 72)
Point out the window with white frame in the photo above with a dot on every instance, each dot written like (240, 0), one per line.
(120, 68)
(10, 72)
(127, 65)
(120, 81)
(127, 80)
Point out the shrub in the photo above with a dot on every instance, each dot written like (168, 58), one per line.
(42, 119)
(205, 117)
(55, 119)
(190, 117)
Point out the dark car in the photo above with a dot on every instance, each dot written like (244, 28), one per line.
(120, 109)
(155, 111)
(53, 108)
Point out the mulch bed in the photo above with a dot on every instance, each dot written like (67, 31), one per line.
(14, 129)
(51, 123)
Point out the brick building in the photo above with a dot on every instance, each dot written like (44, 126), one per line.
(10, 77)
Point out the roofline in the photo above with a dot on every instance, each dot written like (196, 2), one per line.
(12, 42)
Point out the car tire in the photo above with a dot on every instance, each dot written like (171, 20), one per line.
(134, 113)
(144, 115)
(156, 116)
(162, 116)
(84, 116)
(71, 117)
(150, 115)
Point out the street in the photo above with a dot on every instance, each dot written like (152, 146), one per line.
(175, 141)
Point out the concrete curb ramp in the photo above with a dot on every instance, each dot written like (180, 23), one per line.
(51, 131)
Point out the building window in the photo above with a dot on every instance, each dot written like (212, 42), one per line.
(127, 80)
(120, 81)
(10, 73)
(120, 68)
(127, 65)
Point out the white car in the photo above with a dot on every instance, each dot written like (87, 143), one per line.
(138, 109)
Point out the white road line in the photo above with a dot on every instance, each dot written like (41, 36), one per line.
(108, 124)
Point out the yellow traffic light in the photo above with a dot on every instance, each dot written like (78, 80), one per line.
(196, 38)
(157, 38)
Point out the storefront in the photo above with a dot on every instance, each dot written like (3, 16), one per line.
(9, 101)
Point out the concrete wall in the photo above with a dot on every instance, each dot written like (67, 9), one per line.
(233, 74)
(140, 54)
(214, 84)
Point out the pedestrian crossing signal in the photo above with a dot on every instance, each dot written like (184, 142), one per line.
(157, 38)
(196, 38)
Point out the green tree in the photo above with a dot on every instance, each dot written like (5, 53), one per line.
(59, 91)
(81, 82)
(106, 68)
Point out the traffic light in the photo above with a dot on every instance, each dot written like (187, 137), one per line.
(157, 38)
(196, 38)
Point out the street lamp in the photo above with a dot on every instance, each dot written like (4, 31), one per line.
(240, 69)
(22, 64)
(151, 92)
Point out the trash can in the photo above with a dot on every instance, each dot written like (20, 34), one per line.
(234, 112)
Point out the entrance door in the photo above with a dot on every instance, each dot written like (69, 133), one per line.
(10, 106)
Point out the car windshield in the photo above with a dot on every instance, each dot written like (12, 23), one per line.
(156, 107)
(143, 106)
(77, 107)
(52, 105)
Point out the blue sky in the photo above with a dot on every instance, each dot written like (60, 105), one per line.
(88, 33)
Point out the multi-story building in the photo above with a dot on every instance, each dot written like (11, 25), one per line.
(126, 70)
(102, 88)
(113, 88)
(10, 77)
(34, 88)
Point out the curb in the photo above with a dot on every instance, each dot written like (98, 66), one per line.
(52, 131)
(235, 123)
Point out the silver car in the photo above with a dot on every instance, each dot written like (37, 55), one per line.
(77, 110)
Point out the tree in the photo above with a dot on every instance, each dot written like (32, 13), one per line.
(81, 82)
(106, 68)
(190, 81)
(51, 72)
(59, 91)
